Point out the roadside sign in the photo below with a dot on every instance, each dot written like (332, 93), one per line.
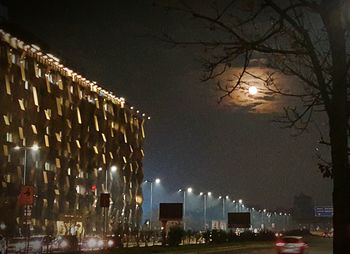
(170, 211)
(104, 200)
(26, 197)
(324, 211)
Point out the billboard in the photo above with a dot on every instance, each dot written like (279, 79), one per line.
(170, 211)
(238, 220)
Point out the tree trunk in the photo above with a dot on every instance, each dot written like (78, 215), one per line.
(338, 123)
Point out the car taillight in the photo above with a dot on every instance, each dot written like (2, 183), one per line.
(280, 244)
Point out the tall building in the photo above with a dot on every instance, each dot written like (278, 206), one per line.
(89, 142)
(303, 208)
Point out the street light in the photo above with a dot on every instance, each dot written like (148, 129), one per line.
(189, 190)
(157, 181)
(35, 147)
(114, 168)
(205, 200)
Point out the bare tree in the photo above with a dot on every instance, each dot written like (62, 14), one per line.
(305, 40)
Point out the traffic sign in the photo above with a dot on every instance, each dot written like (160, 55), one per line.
(324, 211)
(26, 197)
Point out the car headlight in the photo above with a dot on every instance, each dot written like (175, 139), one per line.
(110, 243)
(92, 243)
(100, 243)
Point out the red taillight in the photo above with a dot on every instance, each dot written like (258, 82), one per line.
(280, 244)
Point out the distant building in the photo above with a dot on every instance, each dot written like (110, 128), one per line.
(303, 208)
(89, 140)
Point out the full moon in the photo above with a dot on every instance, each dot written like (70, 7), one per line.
(252, 90)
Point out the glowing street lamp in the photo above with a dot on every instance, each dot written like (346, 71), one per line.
(157, 181)
(205, 201)
(188, 190)
(114, 168)
(34, 148)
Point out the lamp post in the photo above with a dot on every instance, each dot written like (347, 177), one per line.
(189, 190)
(26, 207)
(106, 206)
(240, 203)
(205, 201)
(25, 149)
(157, 181)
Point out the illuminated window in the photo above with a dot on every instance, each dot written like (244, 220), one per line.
(8, 85)
(59, 106)
(69, 123)
(45, 177)
(23, 73)
(34, 129)
(125, 138)
(35, 96)
(6, 120)
(26, 85)
(37, 70)
(95, 149)
(58, 163)
(104, 159)
(96, 123)
(78, 143)
(47, 142)
(104, 137)
(21, 104)
(60, 83)
(20, 133)
(9, 137)
(59, 136)
(111, 155)
(47, 114)
(6, 151)
(48, 86)
(13, 58)
(78, 116)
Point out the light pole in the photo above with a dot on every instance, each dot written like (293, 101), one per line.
(25, 149)
(157, 181)
(106, 206)
(189, 190)
(26, 207)
(205, 200)
(240, 203)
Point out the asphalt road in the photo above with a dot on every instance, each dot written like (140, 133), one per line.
(317, 245)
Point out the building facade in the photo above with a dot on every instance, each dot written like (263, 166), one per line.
(89, 142)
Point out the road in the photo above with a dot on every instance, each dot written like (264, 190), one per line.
(317, 246)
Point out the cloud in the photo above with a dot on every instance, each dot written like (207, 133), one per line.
(266, 100)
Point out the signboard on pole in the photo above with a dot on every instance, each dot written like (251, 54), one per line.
(26, 197)
(324, 211)
(238, 220)
(104, 199)
(170, 211)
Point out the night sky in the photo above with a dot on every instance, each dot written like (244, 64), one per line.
(191, 140)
